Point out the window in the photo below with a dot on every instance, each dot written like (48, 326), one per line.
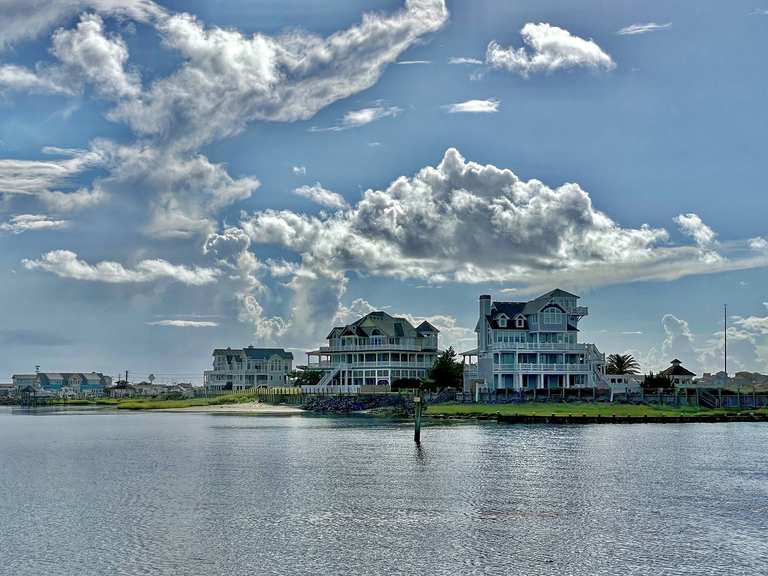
(552, 315)
(519, 323)
(502, 321)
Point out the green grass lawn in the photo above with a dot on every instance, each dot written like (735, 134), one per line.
(573, 408)
(155, 404)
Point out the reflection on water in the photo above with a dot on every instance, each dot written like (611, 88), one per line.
(108, 493)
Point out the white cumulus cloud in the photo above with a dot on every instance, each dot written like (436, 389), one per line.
(87, 52)
(548, 49)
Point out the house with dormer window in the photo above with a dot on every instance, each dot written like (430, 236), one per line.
(376, 350)
(532, 345)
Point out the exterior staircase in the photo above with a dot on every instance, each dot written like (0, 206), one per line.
(329, 376)
(708, 399)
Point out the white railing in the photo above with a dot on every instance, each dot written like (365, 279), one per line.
(540, 347)
(383, 346)
(362, 365)
(571, 368)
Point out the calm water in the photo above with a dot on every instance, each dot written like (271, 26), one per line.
(102, 494)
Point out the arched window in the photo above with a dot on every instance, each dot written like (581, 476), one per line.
(552, 315)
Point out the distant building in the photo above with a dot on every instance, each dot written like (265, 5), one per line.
(377, 349)
(241, 369)
(680, 377)
(64, 383)
(532, 345)
(624, 383)
(7, 390)
(739, 381)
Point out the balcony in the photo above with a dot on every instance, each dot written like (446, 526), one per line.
(562, 368)
(410, 347)
(363, 365)
(540, 347)
(581, 311)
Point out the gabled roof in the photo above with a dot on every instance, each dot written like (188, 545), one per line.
(537, 303)
(425, 328)
(387, 325)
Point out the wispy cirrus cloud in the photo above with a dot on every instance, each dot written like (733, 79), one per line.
(644, 28)
(473, 107)
(67, 264)
(460, 60)
(361, 117)
(184, 323)
(32, 222)
(413, 62)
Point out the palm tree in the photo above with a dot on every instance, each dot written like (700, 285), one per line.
(622, 364)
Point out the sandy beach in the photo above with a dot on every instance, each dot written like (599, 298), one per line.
(244, 408)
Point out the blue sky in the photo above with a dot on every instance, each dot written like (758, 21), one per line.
(176, 176)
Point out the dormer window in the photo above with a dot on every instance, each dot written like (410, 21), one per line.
(502, 322)
(519, 322)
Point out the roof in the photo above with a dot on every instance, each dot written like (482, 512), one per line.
(512, 309)
(676, 370)
(381, 323)
(256, 353)
(425, 327)
(536, 304)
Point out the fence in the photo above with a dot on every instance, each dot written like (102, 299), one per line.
(705, 398)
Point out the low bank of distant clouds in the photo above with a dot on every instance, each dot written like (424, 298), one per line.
(747, 346)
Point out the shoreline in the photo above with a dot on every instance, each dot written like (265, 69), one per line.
(243, 408)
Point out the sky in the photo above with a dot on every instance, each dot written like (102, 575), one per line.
(178, 176)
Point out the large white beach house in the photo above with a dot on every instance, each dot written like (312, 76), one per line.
(377, 349)
(532, 345)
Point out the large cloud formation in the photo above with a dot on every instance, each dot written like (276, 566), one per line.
(226, 80)
(229, 79)
(460, 221)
